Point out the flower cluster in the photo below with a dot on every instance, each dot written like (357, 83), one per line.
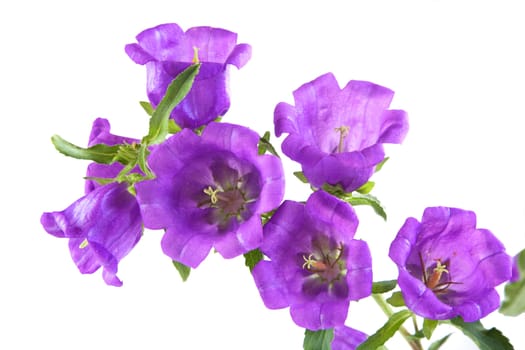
(214, 185)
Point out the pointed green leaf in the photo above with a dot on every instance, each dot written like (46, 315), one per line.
(368, 199)
(514, 302)
(318, 340)
(437, 344)
(386, 332)
(184, 271)
(176, 91)
(366, 188)
(265, 145)
(396, 299)
(252, 258)
(383, 286)
(381, 163)
(485, 339)
(300, 176)
(147, 107)
(100, 153)
(428, 327)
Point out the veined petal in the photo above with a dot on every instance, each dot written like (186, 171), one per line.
(346, 338)
(270, 285)
(186, 248)
(314, 316)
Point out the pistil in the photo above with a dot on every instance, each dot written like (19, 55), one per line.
(435, 277)
(343, 132)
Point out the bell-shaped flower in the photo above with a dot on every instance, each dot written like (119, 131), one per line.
(448, 267)
(167, 50)
(316, 267)
(209, 191)
(105, 224)
(336, 134)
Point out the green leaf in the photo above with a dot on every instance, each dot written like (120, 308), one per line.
(318, 340)
(381, 163)
(177, 90)
(100, 153)
(437, 344)
(252, 258)
(383, 286)
(428, 327)
(184, 271)
(396, 299)
(300, 176)
(265, 145)
(366, 188)
(368, 199)
(147, 107)
(485, 339)
(386, 332)
(514, 302)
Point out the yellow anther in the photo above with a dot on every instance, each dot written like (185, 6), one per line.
(212, 193)
(308, 262)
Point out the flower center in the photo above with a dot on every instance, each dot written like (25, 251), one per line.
(326, 264)
(228, 197)
(230, 202)
(437, 277)
(343, 133)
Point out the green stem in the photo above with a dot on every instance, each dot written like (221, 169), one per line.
(415, 344)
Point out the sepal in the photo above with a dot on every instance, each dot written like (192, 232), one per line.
(383, 286)
(184, 271)
(252, 258)
(265, 145)
(356, 198)
(514, 302)
(318, 340)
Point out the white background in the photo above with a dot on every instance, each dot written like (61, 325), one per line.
(457, 68)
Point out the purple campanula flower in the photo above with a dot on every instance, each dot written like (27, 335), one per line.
(316, 266)
(448, 267)
(209, 191)
(105, 224)
(167, 50)
(337, 134)
(346, 338)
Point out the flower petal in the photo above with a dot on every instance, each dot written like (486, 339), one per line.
(270, 284)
